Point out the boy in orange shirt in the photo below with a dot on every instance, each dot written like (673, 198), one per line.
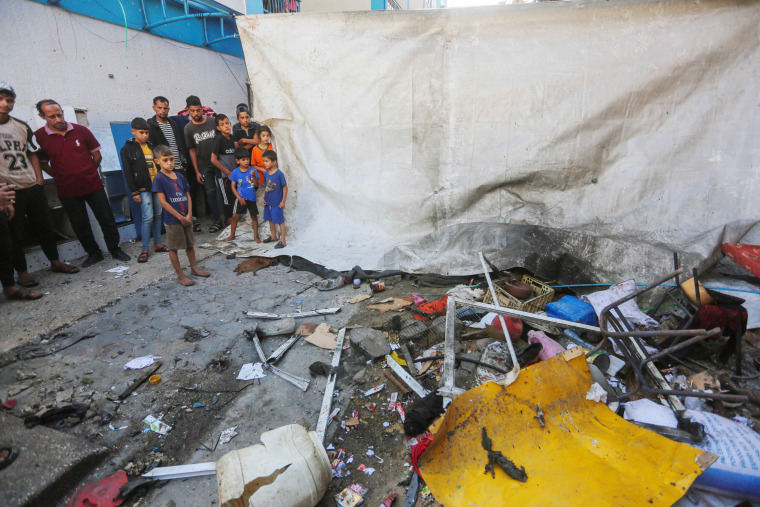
(257, 151)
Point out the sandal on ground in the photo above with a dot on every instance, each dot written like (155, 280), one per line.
(66, 268)
(24, 295)
(279, 245)
(143, 256)
(27, 281)
(7, 456)
(196, 227)
(268, 240)
(215, 228)
(161, 248)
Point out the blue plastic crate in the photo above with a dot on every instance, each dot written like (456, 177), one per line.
(572, 309)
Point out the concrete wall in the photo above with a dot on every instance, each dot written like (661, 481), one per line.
(84, 63)
(335, 5)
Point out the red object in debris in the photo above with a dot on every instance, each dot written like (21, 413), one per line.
(514, 326)
(417, 451)
(747, 256)
(100, 494)
(431, 308)
(9, 404)
(389, 501)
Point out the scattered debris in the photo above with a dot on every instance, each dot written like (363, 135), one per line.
(251, 371)
(358, 298)
(140, 362)
(157, 425)
(323, 337)
(227, 435)
(390, 304)
(296, 315)
(140, 380)
(505, 463)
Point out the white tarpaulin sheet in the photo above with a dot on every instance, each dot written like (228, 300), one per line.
(409, 138)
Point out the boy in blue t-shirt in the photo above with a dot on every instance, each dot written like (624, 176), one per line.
(275, 193)
(244, 180)
(173, 193)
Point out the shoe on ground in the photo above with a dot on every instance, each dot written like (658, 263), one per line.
(279, 245)
(92, 259)
(120, 255)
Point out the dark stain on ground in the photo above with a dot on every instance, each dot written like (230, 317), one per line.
(193, 335)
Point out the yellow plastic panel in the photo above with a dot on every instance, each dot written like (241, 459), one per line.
(585, 454)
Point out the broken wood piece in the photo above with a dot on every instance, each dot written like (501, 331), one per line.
(277, 354)
(395, 382)
(296, 315)
(395, 304)
(408, 357)
(408, 379)
(301, 383)
(140, 380)
(358, 298)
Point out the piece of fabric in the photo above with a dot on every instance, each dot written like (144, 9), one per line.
(76, 210)
(603, 298)
(245, 182)
(175, 190)
(431, 308)
(747, 256)
(70, 159)
(728, 318)
(16, 141)
(32, 205)
(607, 121)
(179, 237)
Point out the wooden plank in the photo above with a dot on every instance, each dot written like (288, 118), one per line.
(140, 380)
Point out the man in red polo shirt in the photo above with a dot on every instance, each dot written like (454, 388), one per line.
(74, 156)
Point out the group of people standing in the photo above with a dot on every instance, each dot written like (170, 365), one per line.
(71, 155)
(204, 151)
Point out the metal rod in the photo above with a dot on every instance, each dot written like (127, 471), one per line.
(299, 382)
(401, 372)
(324, 413)
(277, 354)
(496, 303)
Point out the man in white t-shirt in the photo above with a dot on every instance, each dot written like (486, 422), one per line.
(20, 166)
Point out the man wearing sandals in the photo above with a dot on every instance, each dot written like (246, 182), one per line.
(73, 155)
(20, 166)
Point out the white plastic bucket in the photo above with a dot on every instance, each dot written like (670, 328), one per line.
(264, 469)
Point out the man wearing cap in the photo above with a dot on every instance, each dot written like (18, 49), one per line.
(74, 156)
(20, 166)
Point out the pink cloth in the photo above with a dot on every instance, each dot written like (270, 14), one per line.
(550, 347)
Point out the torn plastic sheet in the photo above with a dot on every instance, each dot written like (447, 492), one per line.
(377, 158)
(622, 463)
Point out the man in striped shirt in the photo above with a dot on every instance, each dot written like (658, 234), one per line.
(165, 131)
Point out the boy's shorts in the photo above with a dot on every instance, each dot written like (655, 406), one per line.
(250, 206)
(179, 237)
(274, 214)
